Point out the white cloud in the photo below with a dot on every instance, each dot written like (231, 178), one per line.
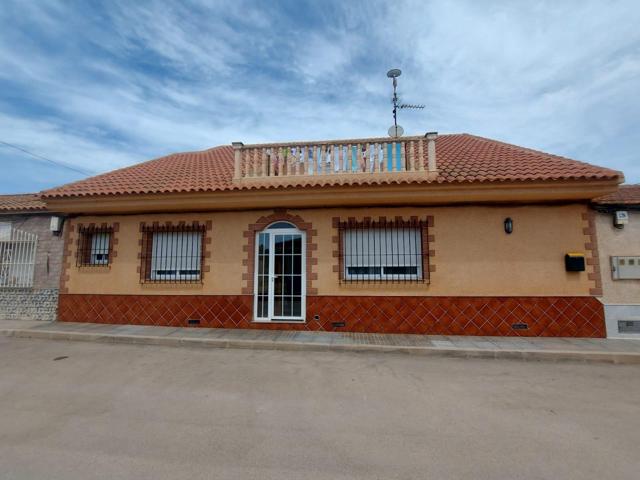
(326, 55)
(107, 88)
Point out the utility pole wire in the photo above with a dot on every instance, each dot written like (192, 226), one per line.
(40, 157)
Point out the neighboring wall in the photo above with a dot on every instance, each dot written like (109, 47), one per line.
(618, 242)
(40, 301)
(472, 255)
(621, 297)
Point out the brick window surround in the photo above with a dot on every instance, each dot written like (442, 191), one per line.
(69, 253)
(591, 245)
(280, 215)
(428, 240)
(144, 242)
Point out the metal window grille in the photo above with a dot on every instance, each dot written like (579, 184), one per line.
(94, 246)
(172, 254)
(17, 257)
(383, 251)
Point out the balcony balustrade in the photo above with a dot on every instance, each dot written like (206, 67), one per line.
(379, 157)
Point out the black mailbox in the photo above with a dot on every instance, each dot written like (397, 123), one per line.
(574, 262)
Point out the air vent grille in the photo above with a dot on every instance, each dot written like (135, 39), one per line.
(629, 326)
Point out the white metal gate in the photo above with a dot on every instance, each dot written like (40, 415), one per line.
(17, 257)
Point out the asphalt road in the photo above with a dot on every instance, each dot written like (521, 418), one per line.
(127, 411)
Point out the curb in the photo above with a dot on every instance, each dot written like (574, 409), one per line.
(625, 358)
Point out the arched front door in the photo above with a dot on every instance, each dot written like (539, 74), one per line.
(280, 274)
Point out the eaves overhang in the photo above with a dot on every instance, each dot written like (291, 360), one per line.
(338, 196)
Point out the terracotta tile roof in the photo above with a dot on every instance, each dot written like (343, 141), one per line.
(21, 202)
(626, 195)
(462, 158)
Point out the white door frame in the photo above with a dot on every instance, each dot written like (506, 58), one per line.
(271, 285)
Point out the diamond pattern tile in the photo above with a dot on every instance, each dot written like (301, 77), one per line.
(543, 316)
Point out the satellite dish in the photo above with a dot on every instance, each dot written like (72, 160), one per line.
(394, 72)
(396, 131)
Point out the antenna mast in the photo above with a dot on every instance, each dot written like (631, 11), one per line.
(397, 130)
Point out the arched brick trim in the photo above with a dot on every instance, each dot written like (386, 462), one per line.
(250, 247)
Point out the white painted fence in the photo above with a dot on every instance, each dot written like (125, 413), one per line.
(17, 257)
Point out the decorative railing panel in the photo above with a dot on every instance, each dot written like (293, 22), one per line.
(345, 157)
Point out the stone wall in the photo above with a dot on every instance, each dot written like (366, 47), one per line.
(50, 245)
(39, 302)
(28, 304)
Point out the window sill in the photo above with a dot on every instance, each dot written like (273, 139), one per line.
(297, 322)
(384, 281)
(174, 287)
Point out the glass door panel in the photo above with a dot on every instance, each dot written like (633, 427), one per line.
(287, 283)
(280, 276)
(262, 276)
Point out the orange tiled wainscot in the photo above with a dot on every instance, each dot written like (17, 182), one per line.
(543, 316)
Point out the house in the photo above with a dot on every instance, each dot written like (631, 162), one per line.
(618, 233)
(437, 234)
(30, 258)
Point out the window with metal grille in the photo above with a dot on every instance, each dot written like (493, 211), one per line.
(94, 246)
(172, 254)
(383, 251)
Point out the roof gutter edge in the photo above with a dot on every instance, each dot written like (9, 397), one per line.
(339, 196)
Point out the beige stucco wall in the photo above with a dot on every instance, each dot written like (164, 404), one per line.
(473, 255)
(613, 242)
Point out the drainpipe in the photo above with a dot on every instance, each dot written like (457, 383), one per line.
(432, 166)
(237, 153)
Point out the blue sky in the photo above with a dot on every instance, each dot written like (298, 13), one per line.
(101, 85)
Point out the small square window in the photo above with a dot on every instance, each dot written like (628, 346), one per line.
(94, 246)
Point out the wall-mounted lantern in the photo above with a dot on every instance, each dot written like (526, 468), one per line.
(620, 219)
(508, 225)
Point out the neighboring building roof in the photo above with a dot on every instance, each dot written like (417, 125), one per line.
(626, 195)
(21, 202)
(461, 158)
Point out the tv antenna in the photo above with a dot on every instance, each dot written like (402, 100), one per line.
(396, 130)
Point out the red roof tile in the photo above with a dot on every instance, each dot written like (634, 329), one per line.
(461, 158)
(21, 202)
(626, 195)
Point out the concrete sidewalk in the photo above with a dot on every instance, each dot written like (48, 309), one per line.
(554, 349)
